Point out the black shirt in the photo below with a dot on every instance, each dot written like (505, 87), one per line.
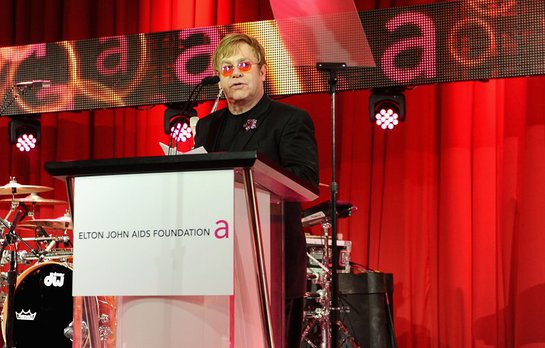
(232, 126)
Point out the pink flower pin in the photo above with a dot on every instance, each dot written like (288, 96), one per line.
(250, 124)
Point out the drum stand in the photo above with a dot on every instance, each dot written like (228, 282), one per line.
(321, 316)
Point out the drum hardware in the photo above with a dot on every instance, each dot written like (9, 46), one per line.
(90, 333)
(39, 239)
(22, 257)
(316, 251)
(61, 223)
(43, 293)
(62, 256)
(321, 213)
(25, 257)
(98, 323)
(3, 284)
(319, 316)
(319, 306)
(10, 238)
(34, 199)
(319, 264)
(14, 188)
(104, 329)
(69, 331)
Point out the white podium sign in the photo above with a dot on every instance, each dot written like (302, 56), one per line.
(135, 236)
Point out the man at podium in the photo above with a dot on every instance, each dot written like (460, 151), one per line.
(283, 133)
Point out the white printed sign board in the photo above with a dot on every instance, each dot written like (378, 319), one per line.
(154, 234)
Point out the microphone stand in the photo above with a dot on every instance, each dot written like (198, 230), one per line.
(332, 69)
(10, 238)
(20, 89)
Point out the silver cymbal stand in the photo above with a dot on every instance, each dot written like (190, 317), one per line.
(321, 316)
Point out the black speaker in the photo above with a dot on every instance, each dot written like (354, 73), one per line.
(368, 312)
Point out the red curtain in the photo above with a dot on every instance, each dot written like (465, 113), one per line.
(451, 202)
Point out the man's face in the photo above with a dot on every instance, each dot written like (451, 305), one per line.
(242, 88)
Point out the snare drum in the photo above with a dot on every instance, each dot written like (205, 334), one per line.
(43, 306)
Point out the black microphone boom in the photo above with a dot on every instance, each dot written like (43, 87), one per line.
(210, 80)
(186, 108)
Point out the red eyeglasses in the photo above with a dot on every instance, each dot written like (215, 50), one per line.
(227, 70)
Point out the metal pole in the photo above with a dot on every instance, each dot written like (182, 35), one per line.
(255, 226)
(332, 69)
(334, 252)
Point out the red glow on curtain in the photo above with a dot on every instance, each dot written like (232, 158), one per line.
(451, 201)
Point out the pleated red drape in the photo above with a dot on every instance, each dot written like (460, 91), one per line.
(451, 202)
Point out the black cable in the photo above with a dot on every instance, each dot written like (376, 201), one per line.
(370, 197)
(382, 197)
(391, 330)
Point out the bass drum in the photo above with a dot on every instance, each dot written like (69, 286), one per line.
(43, 306)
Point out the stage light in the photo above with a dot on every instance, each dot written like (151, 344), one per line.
(24, 132)
(177, 122)
(180, 131)
(387, 108)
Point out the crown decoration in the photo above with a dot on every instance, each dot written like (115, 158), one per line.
(25, 315)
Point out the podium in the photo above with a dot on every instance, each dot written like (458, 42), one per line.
(179, 251)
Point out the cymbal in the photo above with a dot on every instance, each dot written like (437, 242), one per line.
(64, 222)
(34, 198)
(13, 187)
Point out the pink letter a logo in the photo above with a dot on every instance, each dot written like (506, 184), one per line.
(223, 229)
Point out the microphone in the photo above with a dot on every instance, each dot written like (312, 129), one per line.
(215, 106)
(210, 80)
(34, 83)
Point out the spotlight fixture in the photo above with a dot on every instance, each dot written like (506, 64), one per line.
(387, 108)
(24, 132)
(180, 130)
(177, 122)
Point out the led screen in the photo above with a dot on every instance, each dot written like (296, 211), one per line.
(443, 42)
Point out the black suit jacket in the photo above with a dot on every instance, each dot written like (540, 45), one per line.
(284, 134)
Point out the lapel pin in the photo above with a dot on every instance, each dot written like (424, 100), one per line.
(250, 124)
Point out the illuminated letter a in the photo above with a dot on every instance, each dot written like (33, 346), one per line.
(426, 41)
(120, 52)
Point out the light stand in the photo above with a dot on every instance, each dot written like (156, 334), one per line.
(332, 69)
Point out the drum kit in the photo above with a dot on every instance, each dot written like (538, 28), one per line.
(37, 307)
(317, 325)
